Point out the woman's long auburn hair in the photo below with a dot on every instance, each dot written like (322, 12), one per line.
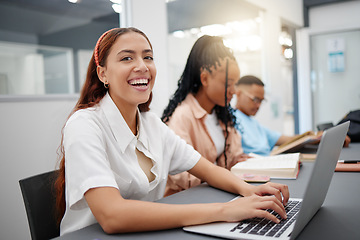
(92, 92)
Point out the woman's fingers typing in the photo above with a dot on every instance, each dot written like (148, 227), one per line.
(254, 206)
(280, 191)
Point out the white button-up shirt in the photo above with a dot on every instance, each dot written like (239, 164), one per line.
(100, 152)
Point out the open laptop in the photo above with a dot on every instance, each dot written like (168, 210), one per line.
(299, 211)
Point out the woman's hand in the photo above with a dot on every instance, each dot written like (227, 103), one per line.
(253, 206)
(280, 191)
(240, 158)
(271, 195)
(347, 141)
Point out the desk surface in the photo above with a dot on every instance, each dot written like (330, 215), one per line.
(338, 218)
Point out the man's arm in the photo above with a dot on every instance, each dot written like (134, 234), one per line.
(283, 139)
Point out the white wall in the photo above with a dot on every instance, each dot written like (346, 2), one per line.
(272, 113)
(8, 36)
(23, 68)
(335, 16)
(344, 85)
(322, 19)
(156, 28)
(285, 9)
(29, 137)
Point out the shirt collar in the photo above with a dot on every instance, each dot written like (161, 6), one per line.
(143, 139)
(243, 114)
(197, 110)
(195, 107)
(122, 133)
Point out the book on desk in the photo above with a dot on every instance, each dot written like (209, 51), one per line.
(297, 143)
(282, 166)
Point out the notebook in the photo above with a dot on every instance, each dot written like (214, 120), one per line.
(302, 209)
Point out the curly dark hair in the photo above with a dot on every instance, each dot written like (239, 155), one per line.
(207, 52)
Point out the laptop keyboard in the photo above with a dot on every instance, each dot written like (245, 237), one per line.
(265, 227)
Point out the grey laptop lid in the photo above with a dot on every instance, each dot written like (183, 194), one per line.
(326, 159)
(327, 156)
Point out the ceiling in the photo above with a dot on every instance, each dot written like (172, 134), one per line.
(187, 14)
(43, 17)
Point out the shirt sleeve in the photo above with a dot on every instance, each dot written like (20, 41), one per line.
(183, 155)
(181, 124)
(272, 136)
(85, 160)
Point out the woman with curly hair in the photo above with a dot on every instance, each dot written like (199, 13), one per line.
(199, 110)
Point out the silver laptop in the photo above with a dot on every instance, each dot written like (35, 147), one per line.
(299, 211)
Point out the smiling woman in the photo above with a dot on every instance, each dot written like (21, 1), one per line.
(131, 59)
(120, 79)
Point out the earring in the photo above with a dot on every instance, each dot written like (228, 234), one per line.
(106, 85)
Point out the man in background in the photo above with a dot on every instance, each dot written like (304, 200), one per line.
(255, 137)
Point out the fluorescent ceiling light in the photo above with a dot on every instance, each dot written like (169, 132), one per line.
(179, 34)
(116, 1)
(215, 30)
(288, 53)
(117, 8)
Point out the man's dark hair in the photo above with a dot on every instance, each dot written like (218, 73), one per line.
(249, 80)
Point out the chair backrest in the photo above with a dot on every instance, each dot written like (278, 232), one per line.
(324, 126)
(39, 201)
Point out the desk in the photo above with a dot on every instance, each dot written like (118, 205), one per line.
(338, 218)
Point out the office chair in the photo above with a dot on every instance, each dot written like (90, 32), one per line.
(39, 201)
(324, 126)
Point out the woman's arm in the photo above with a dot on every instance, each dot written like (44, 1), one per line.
(283, 139)
(223, 179)
(118, 215)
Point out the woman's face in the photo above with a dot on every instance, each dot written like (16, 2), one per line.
(129, 70)
(215, 82)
